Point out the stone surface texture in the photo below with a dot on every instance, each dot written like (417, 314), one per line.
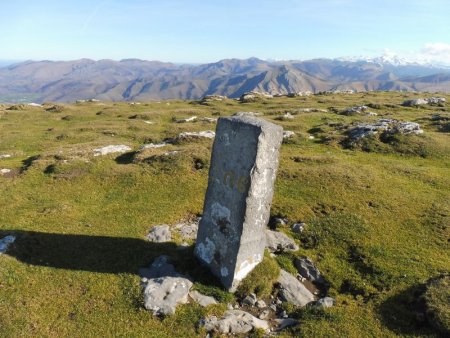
(111, 149)
(160, 234)
(5, 242)
(244, 162)
(279, 242)
(235, 322)
(293, 291)
(308, 270)
(202, 299)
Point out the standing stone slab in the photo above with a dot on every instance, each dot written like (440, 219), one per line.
(244, 161)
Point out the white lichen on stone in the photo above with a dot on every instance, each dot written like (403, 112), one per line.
(206, 251)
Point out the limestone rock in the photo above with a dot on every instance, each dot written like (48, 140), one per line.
(278, 241)
(244, 163)
(5, 156)
(308, 270)
(159, 268)
(293, 291)
(254, 96)
(437, 100)
(414, 103)
(208, 119)
(288, 134)
(160, 234)
(285, 117)
(235, 322)
(163, 294)
(211, 98)
(111, 149)
(298, 227)
(407, 128)
(5, 242)
(4, 171)
(202, 299)
(188, 119)
(200, 134)
(153, 146)
(355, 110)
(285, 322)
(187, 230)
(325, 302)
(250, 300)
(246, 113)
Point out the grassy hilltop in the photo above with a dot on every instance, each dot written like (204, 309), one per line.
(377, 214)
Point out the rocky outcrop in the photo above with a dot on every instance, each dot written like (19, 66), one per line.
(111, 149)
(279, 242)
(234, 322)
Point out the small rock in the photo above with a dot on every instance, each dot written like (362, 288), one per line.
(293, 291)
(325, 302)
(235, 322)
(247, 113)
(308, 270)
(279, 242)
(201, 134)
(273, 307)
(188, 230)
(5, 171)
(5, 156)
(407, 128)
(162, 295)
(370, 113)
(355, 110)
(208, 119)
(189, 119)
(202, 299)
(260, 304)
(160, 234)
(288, 134)
(264, 314)
(285, 117)
(230, 306)
(298, 227)
(254, 96)
(250, 300)
(414, 103)
(285, 322)
(283, 314)
(153, 146)
(159, 268)
(5, 242)
(111, 149)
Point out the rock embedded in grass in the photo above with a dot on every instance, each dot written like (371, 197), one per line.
(293, 291)
(288, 134)
(5, 171)
(279, 242)
(160, 234)
(110, 149)
(201, 299)
(308, 270)
(234, 322)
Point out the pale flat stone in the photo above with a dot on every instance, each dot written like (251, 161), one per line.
(160, 234)
(293, 291)
(235, 322)
(202, 299)
(111, 149)
(279, 242)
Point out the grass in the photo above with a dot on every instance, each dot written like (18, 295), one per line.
(377, 216)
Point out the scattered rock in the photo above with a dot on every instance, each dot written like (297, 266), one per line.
(421, 102)
(202, 299)
(288, 134)
(5, 171)
(308, 270)
(254, 96)
(371, 113)
(293, 291)
(55, 108)
(200, 134)
(260, 304)
(285, 117)
(234, 322)
(160, 234)
(208, 119)
(32, 104)
(285, 322)
(325, 302)
(162, 295)
(187, 230)
(407, 128)
(189, 119)
(355, 110)
(5, 242)
(312, 110)
(279, 242)
(298, 227)
(250, 300)
(210, 98)
(247, 113)
(164, 288)
(264, 314)
(153, 146)
(111, 149)
(5, 156)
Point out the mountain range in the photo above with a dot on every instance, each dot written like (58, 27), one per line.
(139, 80)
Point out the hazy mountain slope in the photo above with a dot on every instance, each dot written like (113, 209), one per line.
(134, 79)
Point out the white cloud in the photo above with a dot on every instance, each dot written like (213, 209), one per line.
(436, 52)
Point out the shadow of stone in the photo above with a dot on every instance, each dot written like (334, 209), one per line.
(86, 253)
(126, 158)
(404, 313)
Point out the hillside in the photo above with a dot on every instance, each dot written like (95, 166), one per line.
(138, 80)
(371, 189)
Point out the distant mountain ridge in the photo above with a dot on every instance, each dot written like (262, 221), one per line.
(139, 80)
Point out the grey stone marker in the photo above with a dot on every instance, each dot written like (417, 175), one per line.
(231, 236)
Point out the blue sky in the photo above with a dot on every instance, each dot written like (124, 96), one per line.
(206, 31)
